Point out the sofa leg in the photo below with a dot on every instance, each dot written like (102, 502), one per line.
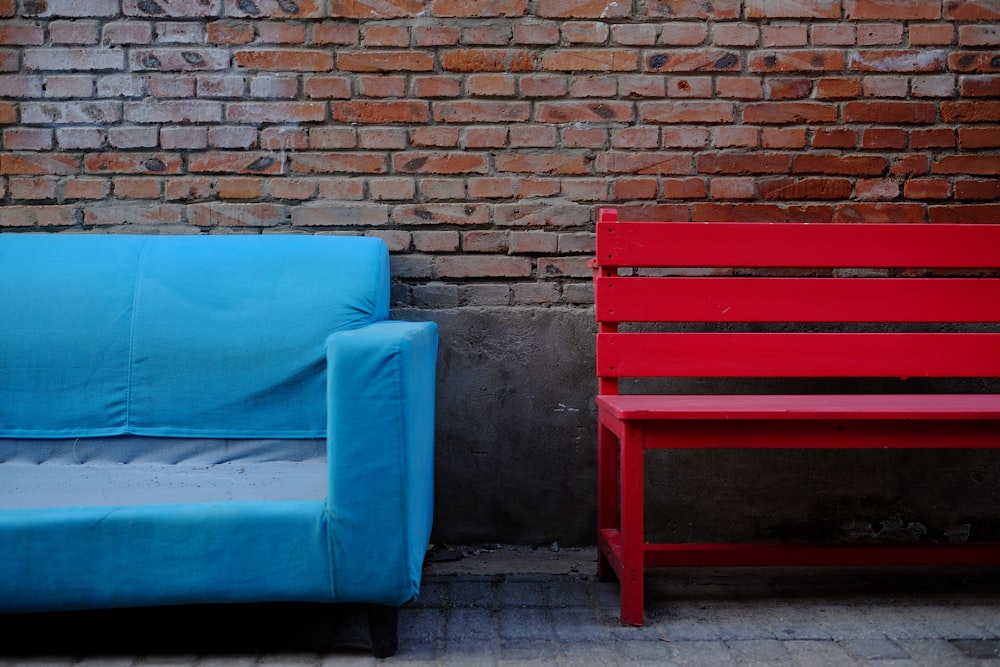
(383, 628)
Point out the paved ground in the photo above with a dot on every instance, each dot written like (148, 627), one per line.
(513, 606)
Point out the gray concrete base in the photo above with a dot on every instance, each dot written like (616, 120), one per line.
(517, 440)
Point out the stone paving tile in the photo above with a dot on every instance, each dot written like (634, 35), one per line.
(569, 620)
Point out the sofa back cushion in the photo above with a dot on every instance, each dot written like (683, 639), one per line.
(207, 336)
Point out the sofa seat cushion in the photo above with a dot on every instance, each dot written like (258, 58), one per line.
(129, 470)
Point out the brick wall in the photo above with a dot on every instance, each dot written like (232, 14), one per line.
(478, 136)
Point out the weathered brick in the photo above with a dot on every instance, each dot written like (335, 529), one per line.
(136, 187)
(591, 60)
(382, 138)
(813, 9)
(336, 163)
(897, 10)
(132, 215)
(687, 112)
(229, 32)
(178, 59)
(98, 111)
(37, 216)
(584, 112)
(32, 188)
(340, 214)
(70, 9)
(376, 9)
(21, 33)
(69, 85)
(478, 8)
(536, 162)
(385, 61)
(276, 112)
(481, 112)
(285, 60)
(441, 214)
(133, 137)
(154, 164)
(723, 10)
(584, 9)
(972, 10)
(440, 163)
(171, 8)
(482, 266)
(218, 214)
(643, 164)
(173, 112)
(487, 60)
(284, 9)
(30, 163)
(897, 61)
(74, 59)
(27, 139)
(81, 138)
(401, 111)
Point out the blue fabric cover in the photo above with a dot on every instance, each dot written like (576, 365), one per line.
(278, 336)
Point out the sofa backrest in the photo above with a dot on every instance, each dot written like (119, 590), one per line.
(207, 336)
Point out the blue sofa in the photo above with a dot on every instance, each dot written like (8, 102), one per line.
(210, 419)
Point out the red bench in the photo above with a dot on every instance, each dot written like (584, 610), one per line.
(766, 273)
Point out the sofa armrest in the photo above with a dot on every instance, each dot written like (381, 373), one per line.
(380, 447)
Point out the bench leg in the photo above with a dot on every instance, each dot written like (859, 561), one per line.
(607, 493)
(383, 624)
(632, 527)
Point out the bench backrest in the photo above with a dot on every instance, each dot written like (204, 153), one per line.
(202, 336)
(727, 289)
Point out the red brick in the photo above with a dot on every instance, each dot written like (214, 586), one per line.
(481, 112)
(492, 188)
(441, 214)
(977, 189)
(37, 216)
(979, 137)
(781, 9)
(695, 87)
(784, 113)
(838, 88)
(329, 162)
(7, 8)
(491, 85)
(274, 32)
(909, 61)
(682, 33)
(435, 35)
(880, 212)
(32, 188)
(848, 165)
(188, 189)
(487, 60)
(787, 88)
(964, 213)
(643, 164)
(235, 162)
(838, 137)
(21, 34)
(694, 9)
(737, 136)
(376, 9)
(931, 34)
(534, 162)
(805, 188)
(216, 214)
(434, 137)
(641, 85)
(284, 9)
(86, 188)
(932, 138)
(833, 34)
(540, 33)
(973, 62)
(136, 187)
(591, 60)
(585, 32)
(327, 87)
(482, 266)
(880, 34)
(735, 212)
(385, 61)
(374, 112)
(970, 112)
(685, 136)
(28, 139)
(743, 164)
(813, 60)
(744, 88)
(229, 32)
(292, 189)
(593, 86)
(897, 10)
(584, 9)
(584, 112)
(883, 138)
(418, 162)
(335, 32)
(436, 86)
(979, 165)
(30, 163)
(697, 60)
(385, 35)
(584, 137)
(687, 112)
(876, 189)
(382, 138)
(927, 188)
(910, 164)
(153, 164)
(284, 60)
(623, 189)
(890, 112)
(172, 8)
(485, 137)
(478, 8)
(543, 85)
(783, 137)
(239, 188)
(276, 112)
(971, 10)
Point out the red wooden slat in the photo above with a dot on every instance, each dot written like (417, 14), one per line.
(856, 407)
(758, 244)
(725, 299)
(798, 355)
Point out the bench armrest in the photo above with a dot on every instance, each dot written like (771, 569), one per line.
(380, 448)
